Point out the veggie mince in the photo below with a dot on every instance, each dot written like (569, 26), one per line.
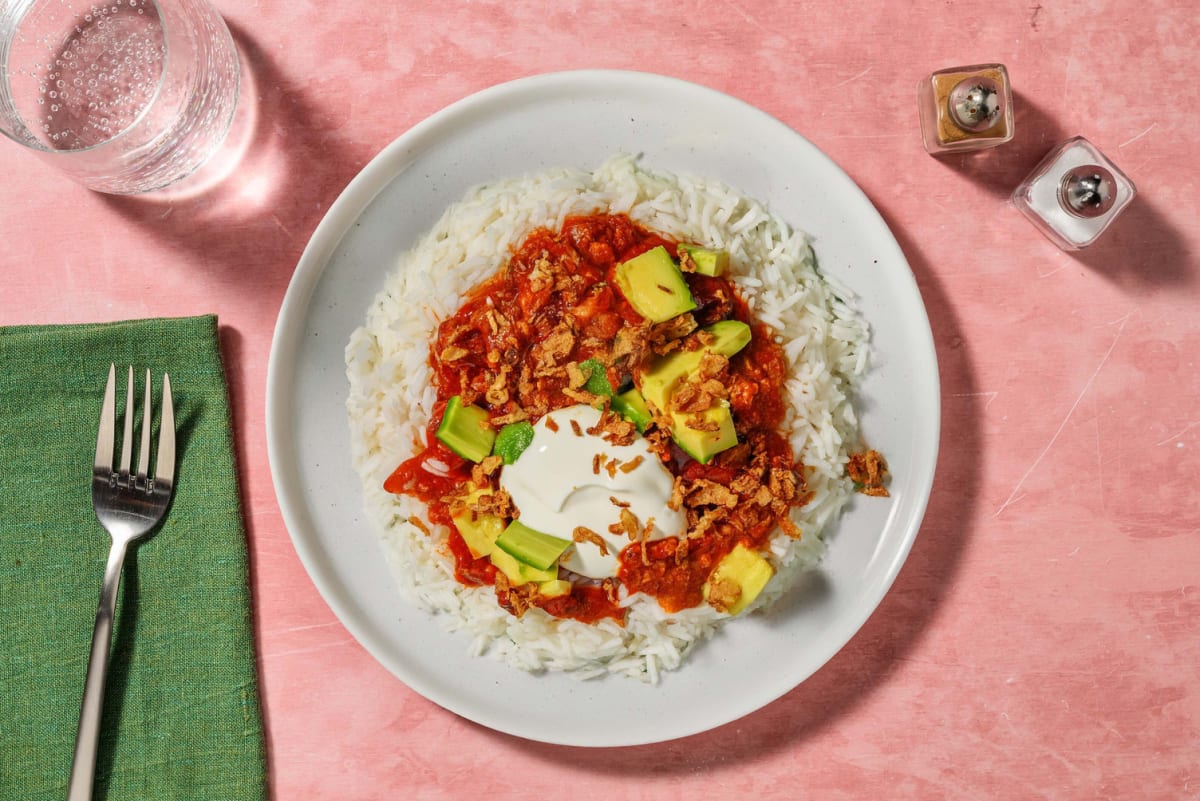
(606, 314)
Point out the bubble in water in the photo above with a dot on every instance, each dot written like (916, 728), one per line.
(53, 94)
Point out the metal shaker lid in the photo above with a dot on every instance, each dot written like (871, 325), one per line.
(975, 103)
(1088, 190)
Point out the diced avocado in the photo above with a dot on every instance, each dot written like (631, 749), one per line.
(465, 430)
(555, 588)
(729, 337)
(597, 381)
(512, 441)
(668, 372)
(744, 572)
(517, 572)
(654, 286)
(665, 375)
(540, 576)
(632, 405)
(479, 531)
(704, 445)
(509, 566)
(707, 262)
(530, 546)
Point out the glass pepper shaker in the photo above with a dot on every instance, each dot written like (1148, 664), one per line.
(1074, 194)
(965, 108)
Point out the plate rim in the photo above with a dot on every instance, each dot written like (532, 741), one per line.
(357, 196)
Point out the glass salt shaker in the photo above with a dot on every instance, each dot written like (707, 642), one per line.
(965, 108)
(1074, 194)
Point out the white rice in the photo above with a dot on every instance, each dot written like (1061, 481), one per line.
(391, 395)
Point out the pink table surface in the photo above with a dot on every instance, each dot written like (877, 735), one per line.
(1042, 640)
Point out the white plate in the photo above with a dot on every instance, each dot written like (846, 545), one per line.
(579, 119)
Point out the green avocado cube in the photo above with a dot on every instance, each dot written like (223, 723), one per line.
(479, 531)
(632, 405)
(665, 375)
(465, 430)
(531, 546)
(517, 572)
(706, 261)
(704, 445)
(555, 588)
(729, 337)
(654, 285)
(668, 372)
(743, 570)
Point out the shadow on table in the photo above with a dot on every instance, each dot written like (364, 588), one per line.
(1140, 251)
(888, 636)
(254, 206)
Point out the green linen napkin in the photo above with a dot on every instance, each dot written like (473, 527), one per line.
(181, 710)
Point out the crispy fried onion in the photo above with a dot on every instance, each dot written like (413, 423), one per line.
(585, 534)
(723, 593)
(868, 471)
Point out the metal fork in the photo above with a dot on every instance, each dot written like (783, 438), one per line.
(128, 506)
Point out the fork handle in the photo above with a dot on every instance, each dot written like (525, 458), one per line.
(83, 766)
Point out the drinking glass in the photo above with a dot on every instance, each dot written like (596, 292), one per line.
(124, 96)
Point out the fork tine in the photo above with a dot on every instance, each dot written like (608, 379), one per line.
(144, 450)
(108, 420)
(127, 439)
(164, 468)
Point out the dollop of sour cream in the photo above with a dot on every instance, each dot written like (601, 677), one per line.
(556, 488)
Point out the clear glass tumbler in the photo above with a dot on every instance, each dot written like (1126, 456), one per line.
(124, 96)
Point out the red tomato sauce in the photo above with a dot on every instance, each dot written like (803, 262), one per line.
(465, 355)
(678, 584)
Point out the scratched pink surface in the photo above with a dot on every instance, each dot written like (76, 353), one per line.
(1042, 641)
